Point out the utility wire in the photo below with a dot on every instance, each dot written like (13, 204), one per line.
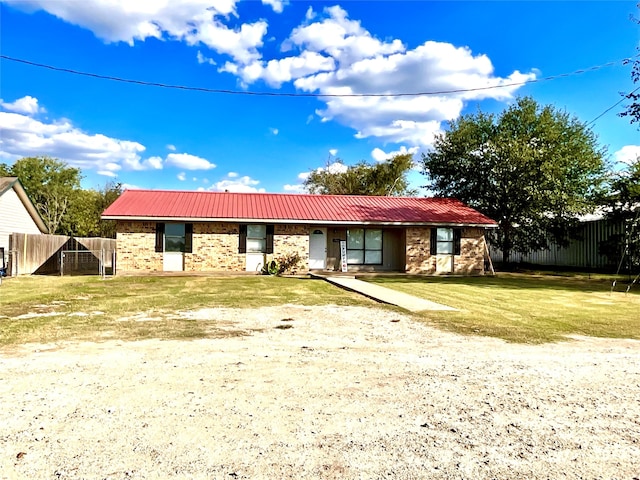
(624, 97)
(313, 95)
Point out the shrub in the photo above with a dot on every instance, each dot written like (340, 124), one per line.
(284, 264)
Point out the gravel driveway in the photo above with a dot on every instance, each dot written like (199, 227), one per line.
(321, 392)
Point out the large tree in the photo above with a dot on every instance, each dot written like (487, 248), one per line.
(67, 209)
(385, 178)
(85, 208)
(531, 168)
(621, 203)
(51, 185)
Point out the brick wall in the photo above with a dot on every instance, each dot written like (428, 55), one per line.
(471, 258)
(469, 262)
(136, 243)
(215, 247)
(419, 260)
(288, 239)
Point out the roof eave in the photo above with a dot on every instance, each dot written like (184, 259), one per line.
(28, 204)
(280, 221)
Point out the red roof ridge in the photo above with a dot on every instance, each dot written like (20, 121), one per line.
(292, 194)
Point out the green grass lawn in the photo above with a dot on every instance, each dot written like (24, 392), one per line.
(48, 309)
(527, 308)
(517, 308)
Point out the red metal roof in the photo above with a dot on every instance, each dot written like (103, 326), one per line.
(283, 208)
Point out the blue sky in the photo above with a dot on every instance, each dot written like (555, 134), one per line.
(152, 137)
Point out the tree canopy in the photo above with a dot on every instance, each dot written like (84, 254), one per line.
(50, 184)
(532, 168)
(55, 190)
(632, 110)
(388, 178)
(621, 203)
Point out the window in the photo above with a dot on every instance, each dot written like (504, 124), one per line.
(255, 239)
(445, 241)
(174, 237)
(364, 246)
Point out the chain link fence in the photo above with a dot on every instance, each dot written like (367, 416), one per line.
(87, 262)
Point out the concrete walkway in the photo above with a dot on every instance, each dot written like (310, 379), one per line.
(385, 295)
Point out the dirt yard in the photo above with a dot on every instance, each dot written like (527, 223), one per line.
(321, 392)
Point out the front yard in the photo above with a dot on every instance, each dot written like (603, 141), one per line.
(266, 377)
(528, 308)
(517, 308)
(50, 309)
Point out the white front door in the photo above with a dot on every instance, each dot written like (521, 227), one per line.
(317, 248)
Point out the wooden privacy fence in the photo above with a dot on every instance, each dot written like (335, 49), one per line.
(45, 255)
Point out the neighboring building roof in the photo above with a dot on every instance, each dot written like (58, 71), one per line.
(8, 183)
(169, 205)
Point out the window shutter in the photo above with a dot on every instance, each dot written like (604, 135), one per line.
(242, 239)
(159, 237)
(433, 238)
(457, 236)
(269, 239)
(188, 237)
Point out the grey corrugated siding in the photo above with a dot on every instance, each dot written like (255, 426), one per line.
(581, 253)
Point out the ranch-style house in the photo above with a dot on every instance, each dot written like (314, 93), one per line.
(160, 230)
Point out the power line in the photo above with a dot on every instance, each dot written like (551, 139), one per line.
(313, 95)
(624, 97)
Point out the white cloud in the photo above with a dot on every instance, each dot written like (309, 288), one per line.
(25, 136)
(335, 167)
(380, 155)
(628, 154)
(202, 59)
(151, 163)
(188, 162)
(310, 15)
(298, 188)
(274, 131)
(232, 175)
(333, 152)
(110, 169)
(181, 176)
(339, 56)
(196, 22)
(343, 39)
(27, 105)
(238, 184)
(171, 147)
(277, 5)
(276, 72)
(129, 186)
